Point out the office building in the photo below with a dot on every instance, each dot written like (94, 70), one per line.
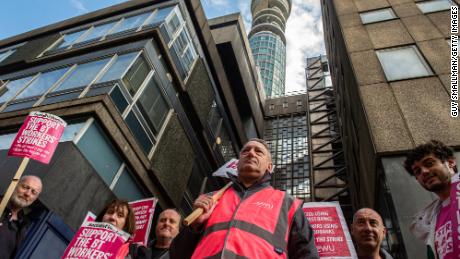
(389, 63)
(150, 107)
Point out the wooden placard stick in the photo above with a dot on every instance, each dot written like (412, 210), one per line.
(197, 212)
(13, 184)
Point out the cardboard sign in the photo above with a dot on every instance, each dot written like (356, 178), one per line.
(96, 240)
(228, 168)
(332, 238)
(38, 137)
(143, 212)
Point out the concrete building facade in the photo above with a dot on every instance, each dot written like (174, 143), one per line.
(389, 62)
(268, 42)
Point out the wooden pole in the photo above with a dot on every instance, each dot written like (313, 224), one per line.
(199, 211)
(13, 184)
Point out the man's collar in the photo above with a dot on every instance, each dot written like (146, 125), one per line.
(263, 181)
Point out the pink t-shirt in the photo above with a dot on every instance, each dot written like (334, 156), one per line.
(443, 235)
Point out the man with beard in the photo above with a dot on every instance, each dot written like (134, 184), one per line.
(251, 219)
(14, 222)
(368, 232)
(433, 165)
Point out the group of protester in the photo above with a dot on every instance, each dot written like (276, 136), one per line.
(253, 220)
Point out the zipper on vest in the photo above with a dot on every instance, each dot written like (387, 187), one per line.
(231, 222)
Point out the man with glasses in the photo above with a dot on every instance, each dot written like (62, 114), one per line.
(14, 222)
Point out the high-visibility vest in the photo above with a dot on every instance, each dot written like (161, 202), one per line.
(253, 227)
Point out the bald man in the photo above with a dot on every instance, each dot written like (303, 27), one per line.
(14, 223)
(368, 232)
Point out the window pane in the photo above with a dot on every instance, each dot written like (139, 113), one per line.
(132, 22)
(12, 88)
(403, 63)
(136, 75)
(6, 54)
(119, 99)
(98, 31)
(378, 15)
(434, 6)
(42, 83)
(6, 140)
(160, 15)
(126, 188)
(82, 75)
(71, 131)
(139, 132)
(153, 105)
(173, 24)
(117, 69)
(68, 39)
(98, 150)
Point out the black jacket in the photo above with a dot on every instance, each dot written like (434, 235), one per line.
(300, 243)
(12, 233)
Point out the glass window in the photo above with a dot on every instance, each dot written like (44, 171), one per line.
(434, 5)
(69, 39)
(71, 131)
(136, 75)
(98, 31)
(377, 15)
(42, 83)
(12, 88)
(82, 75)
(6, 140)
(138, 131)
(153, 105)
(403, 63)
(119, 99)
(132, 22)
(126, 188)
(160, 15)
(118, 68)
(101, 154)
(173, 24)
(5, 54)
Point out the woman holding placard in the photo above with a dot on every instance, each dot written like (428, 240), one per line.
(121, 215)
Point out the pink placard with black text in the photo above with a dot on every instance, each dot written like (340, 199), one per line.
(38, 137)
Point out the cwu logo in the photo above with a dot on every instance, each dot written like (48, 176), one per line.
(264, 205)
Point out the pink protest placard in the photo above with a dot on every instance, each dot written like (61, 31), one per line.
(38, 137)
(332, 238)
(455, 214)
(143, 212)
(96, 240)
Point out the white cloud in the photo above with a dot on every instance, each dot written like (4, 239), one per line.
(79, 6)
(304, 33)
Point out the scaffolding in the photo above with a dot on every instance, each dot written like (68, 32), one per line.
(328, 171)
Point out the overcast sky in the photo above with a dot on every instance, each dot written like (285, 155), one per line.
(304, 32)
